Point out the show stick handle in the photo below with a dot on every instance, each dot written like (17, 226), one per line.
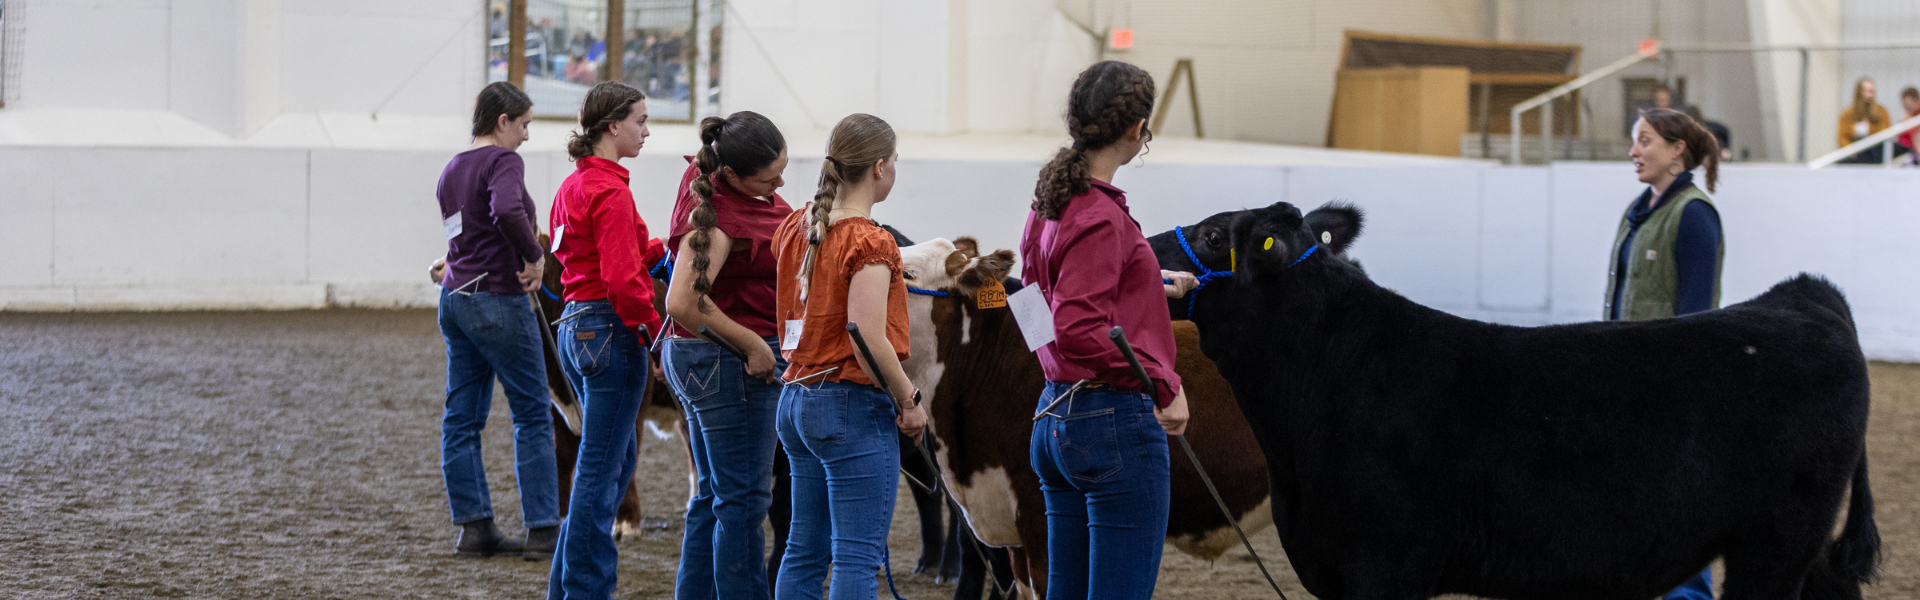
(880, 381)
(1119, 337)
(707, 332)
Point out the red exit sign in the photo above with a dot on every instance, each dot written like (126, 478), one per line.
(1120, 39)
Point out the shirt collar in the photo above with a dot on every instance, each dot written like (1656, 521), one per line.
(1119, 197)
(600, 164)
(722, 189)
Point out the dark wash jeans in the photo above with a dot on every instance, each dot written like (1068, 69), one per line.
(730, 431)
(845, 452)
(607, 363)
(1103, 469)
(489, 336)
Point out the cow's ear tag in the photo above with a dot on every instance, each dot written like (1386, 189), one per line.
(1269, 245)
(1326, 237)
(991, 295)
(1233, 259)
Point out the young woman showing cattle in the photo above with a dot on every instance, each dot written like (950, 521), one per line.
(1666, 257)
(598, 238)
(1098, 443)
(836, 266)
(493, 260)
(723, 224)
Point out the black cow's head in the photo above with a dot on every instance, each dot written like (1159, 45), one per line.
(1254, 243)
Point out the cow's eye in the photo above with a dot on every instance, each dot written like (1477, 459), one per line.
(908, 274)
(1213, 239)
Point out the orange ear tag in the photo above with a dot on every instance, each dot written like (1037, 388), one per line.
(991, 295)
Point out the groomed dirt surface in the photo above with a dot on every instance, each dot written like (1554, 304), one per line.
(295, 455)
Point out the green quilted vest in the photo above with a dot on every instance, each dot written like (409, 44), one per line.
(1652, 279)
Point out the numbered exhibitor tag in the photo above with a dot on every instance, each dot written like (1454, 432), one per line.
(452, 225)
(557, 232)
(792, 339)
(1030, 310)
(991, 295)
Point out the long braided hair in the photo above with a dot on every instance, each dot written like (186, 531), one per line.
(1107, 99)
(856, 144)
(744, 143)
(606, 104)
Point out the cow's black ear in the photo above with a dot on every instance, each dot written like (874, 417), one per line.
(1335, 225)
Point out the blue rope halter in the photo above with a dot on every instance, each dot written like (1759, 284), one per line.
(929, 293)
(1208, 275)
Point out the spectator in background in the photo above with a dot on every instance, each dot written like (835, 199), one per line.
(1719, 130)
(1864, 118)
(579, 70)
(1910, 100)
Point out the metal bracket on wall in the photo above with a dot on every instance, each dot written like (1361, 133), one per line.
(1180, 67)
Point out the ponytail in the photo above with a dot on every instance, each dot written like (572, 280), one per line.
(1702, 148)
(1108, 99)
(858, 143)
(607, 103)
(745, 143)
(704, 217)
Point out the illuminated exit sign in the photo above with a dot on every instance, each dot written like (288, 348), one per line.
(1120, 39)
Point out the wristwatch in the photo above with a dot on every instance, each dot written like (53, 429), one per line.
(916, 398)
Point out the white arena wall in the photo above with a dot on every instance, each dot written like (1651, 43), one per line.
(230, 228)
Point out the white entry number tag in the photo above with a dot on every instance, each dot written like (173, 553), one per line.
(1030, 310)
(557, 232)
(792, 339)
(452, 225)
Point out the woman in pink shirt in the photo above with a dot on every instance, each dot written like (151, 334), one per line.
(1099, 441)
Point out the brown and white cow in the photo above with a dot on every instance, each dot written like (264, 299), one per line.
(981, 385)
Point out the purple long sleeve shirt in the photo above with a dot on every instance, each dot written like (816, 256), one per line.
(488, 219)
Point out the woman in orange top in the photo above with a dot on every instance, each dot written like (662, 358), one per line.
(837, 266)
(1863, 118)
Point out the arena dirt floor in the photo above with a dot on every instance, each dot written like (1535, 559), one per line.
(295, 455)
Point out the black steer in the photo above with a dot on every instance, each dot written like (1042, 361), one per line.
(1413, 453)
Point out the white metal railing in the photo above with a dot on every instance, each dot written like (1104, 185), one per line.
(1544, 101)
(1884, 139)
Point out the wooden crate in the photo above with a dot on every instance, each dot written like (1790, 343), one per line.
(1411, 94)
(1416, 110)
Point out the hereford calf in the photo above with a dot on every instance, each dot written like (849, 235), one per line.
(981, 386)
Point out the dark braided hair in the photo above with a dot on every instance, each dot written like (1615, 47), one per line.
(1107, 99)
(744, 143)
(606, 104)
(498, 98)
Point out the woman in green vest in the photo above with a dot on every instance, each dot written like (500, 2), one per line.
(1666, 257)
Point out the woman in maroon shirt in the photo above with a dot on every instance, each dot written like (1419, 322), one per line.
(1099, 443)
(722, 232)
(599, 238)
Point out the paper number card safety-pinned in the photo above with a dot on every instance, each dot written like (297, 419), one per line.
(991, 295)
(1030, 310)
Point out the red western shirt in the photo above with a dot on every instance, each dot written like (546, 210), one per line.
(743, 286)
(1097, 271)
(603, 244)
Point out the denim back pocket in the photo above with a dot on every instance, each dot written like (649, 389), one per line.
(589, 342)
(695, 370)
(822, 414)
(1090, 446)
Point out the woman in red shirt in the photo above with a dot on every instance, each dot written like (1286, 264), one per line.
(598, 237)
(838, 267)
(723, 222)
(1099, 444)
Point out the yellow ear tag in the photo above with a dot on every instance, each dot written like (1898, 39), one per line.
(991, 295)
(1233, 260)
(1269, 245)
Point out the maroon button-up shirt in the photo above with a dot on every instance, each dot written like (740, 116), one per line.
(1097, 271)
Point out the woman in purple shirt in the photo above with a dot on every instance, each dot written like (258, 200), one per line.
(493, 260)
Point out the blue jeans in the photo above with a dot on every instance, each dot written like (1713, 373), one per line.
(1102, 461)
(845, 452)
(1698, 588)
(607, 363)
(492, 336)
(730, 431)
